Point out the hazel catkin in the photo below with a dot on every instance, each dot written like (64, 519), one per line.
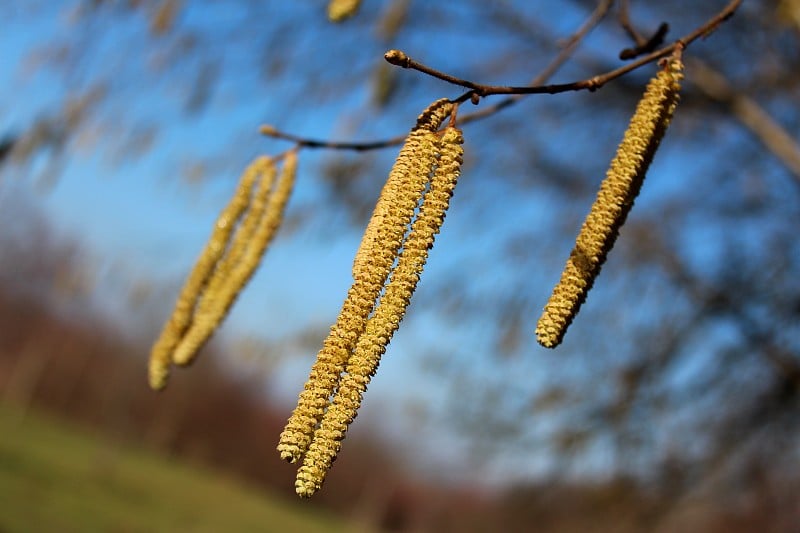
(181, 318)
(377, 253)
(614, 200)
(380, 327)
(338, 10)
(247, 250)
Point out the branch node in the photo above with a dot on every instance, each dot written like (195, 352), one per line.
(648, 46)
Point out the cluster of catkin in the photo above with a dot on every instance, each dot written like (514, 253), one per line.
(387, 266)
(614, 200)
(386, 270)
(226, 264)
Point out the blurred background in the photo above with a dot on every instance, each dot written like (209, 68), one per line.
(672, 405)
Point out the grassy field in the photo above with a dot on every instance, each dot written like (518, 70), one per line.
(56, 478)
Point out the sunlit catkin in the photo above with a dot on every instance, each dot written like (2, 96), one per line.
(181, 318)
(383, 323)
(258, 230)
(379, 249)
(430, 119)
(339, 10)
(614, 200)
(241, 239)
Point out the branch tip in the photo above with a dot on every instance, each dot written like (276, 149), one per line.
(397, 58)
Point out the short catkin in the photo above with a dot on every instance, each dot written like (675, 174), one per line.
(613, 203)
(181, 318)
(339, 10)
(377, 253)
(380, 327)
(250, 242)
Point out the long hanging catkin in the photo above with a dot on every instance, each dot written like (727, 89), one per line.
(383, 323)
(233, 273)
(379, 249)
(614, 200)
(181, 318)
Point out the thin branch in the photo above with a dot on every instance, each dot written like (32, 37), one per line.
(746, 110)
(477, 90)
(707, 295)
(625, 21)
(771, 134)
(569, 48)
(398, 58)
(571, 44)
(656, 40)
(303, 142)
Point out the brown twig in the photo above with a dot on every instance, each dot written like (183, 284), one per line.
(747, 111)
(566, 52)
(303, 142)
(397, 57)
(569, 48)
(656, 40)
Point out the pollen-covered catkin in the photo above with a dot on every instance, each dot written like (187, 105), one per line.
(181, 318)
(383, 323)
(378, 251)
(430, 119)
(614, 200)
(240, 241)
(258, 230)
(339, 10)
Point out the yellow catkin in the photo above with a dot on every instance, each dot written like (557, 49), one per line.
(405, 186)
(181, 318)
(241, 239)
(383, 323)
(614, 200)
(368, 241)
(430, 119)
(258, 230)
(339, 10)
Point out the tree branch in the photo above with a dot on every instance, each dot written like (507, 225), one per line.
(625, 21)
(398, 58)
(566, 52)
(771, 134)
(477, 90)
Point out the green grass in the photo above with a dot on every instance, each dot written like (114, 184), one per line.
(54, 477)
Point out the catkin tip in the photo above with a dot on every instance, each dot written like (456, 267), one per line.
(308, 481)
(547, 333)
(158, 375)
